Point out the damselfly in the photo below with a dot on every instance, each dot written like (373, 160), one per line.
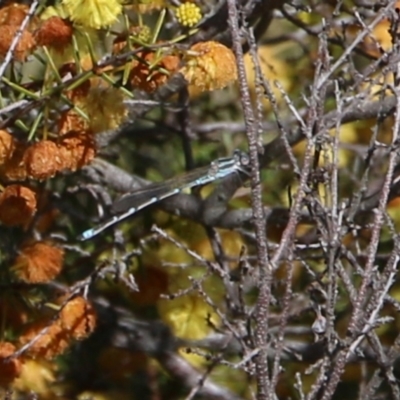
(137, 200)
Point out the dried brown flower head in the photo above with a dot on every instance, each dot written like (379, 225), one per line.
(209, 66)
(25, 44)
(17, 205)
(144, 78)
(7, 146)
(70, 121)
(13, 14)
(56, 33)
(38, 262)
(14, 169)
(42, 160)
(77, 149)
(11, 368)
(52, 339)
(78, 317)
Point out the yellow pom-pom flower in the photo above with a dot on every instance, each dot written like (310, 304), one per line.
(188, 14)
(95, 14)
(104, 106)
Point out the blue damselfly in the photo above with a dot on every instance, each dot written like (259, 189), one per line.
(137, 200)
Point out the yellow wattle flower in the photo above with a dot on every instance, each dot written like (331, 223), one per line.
(95, 14)
(188, 14)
